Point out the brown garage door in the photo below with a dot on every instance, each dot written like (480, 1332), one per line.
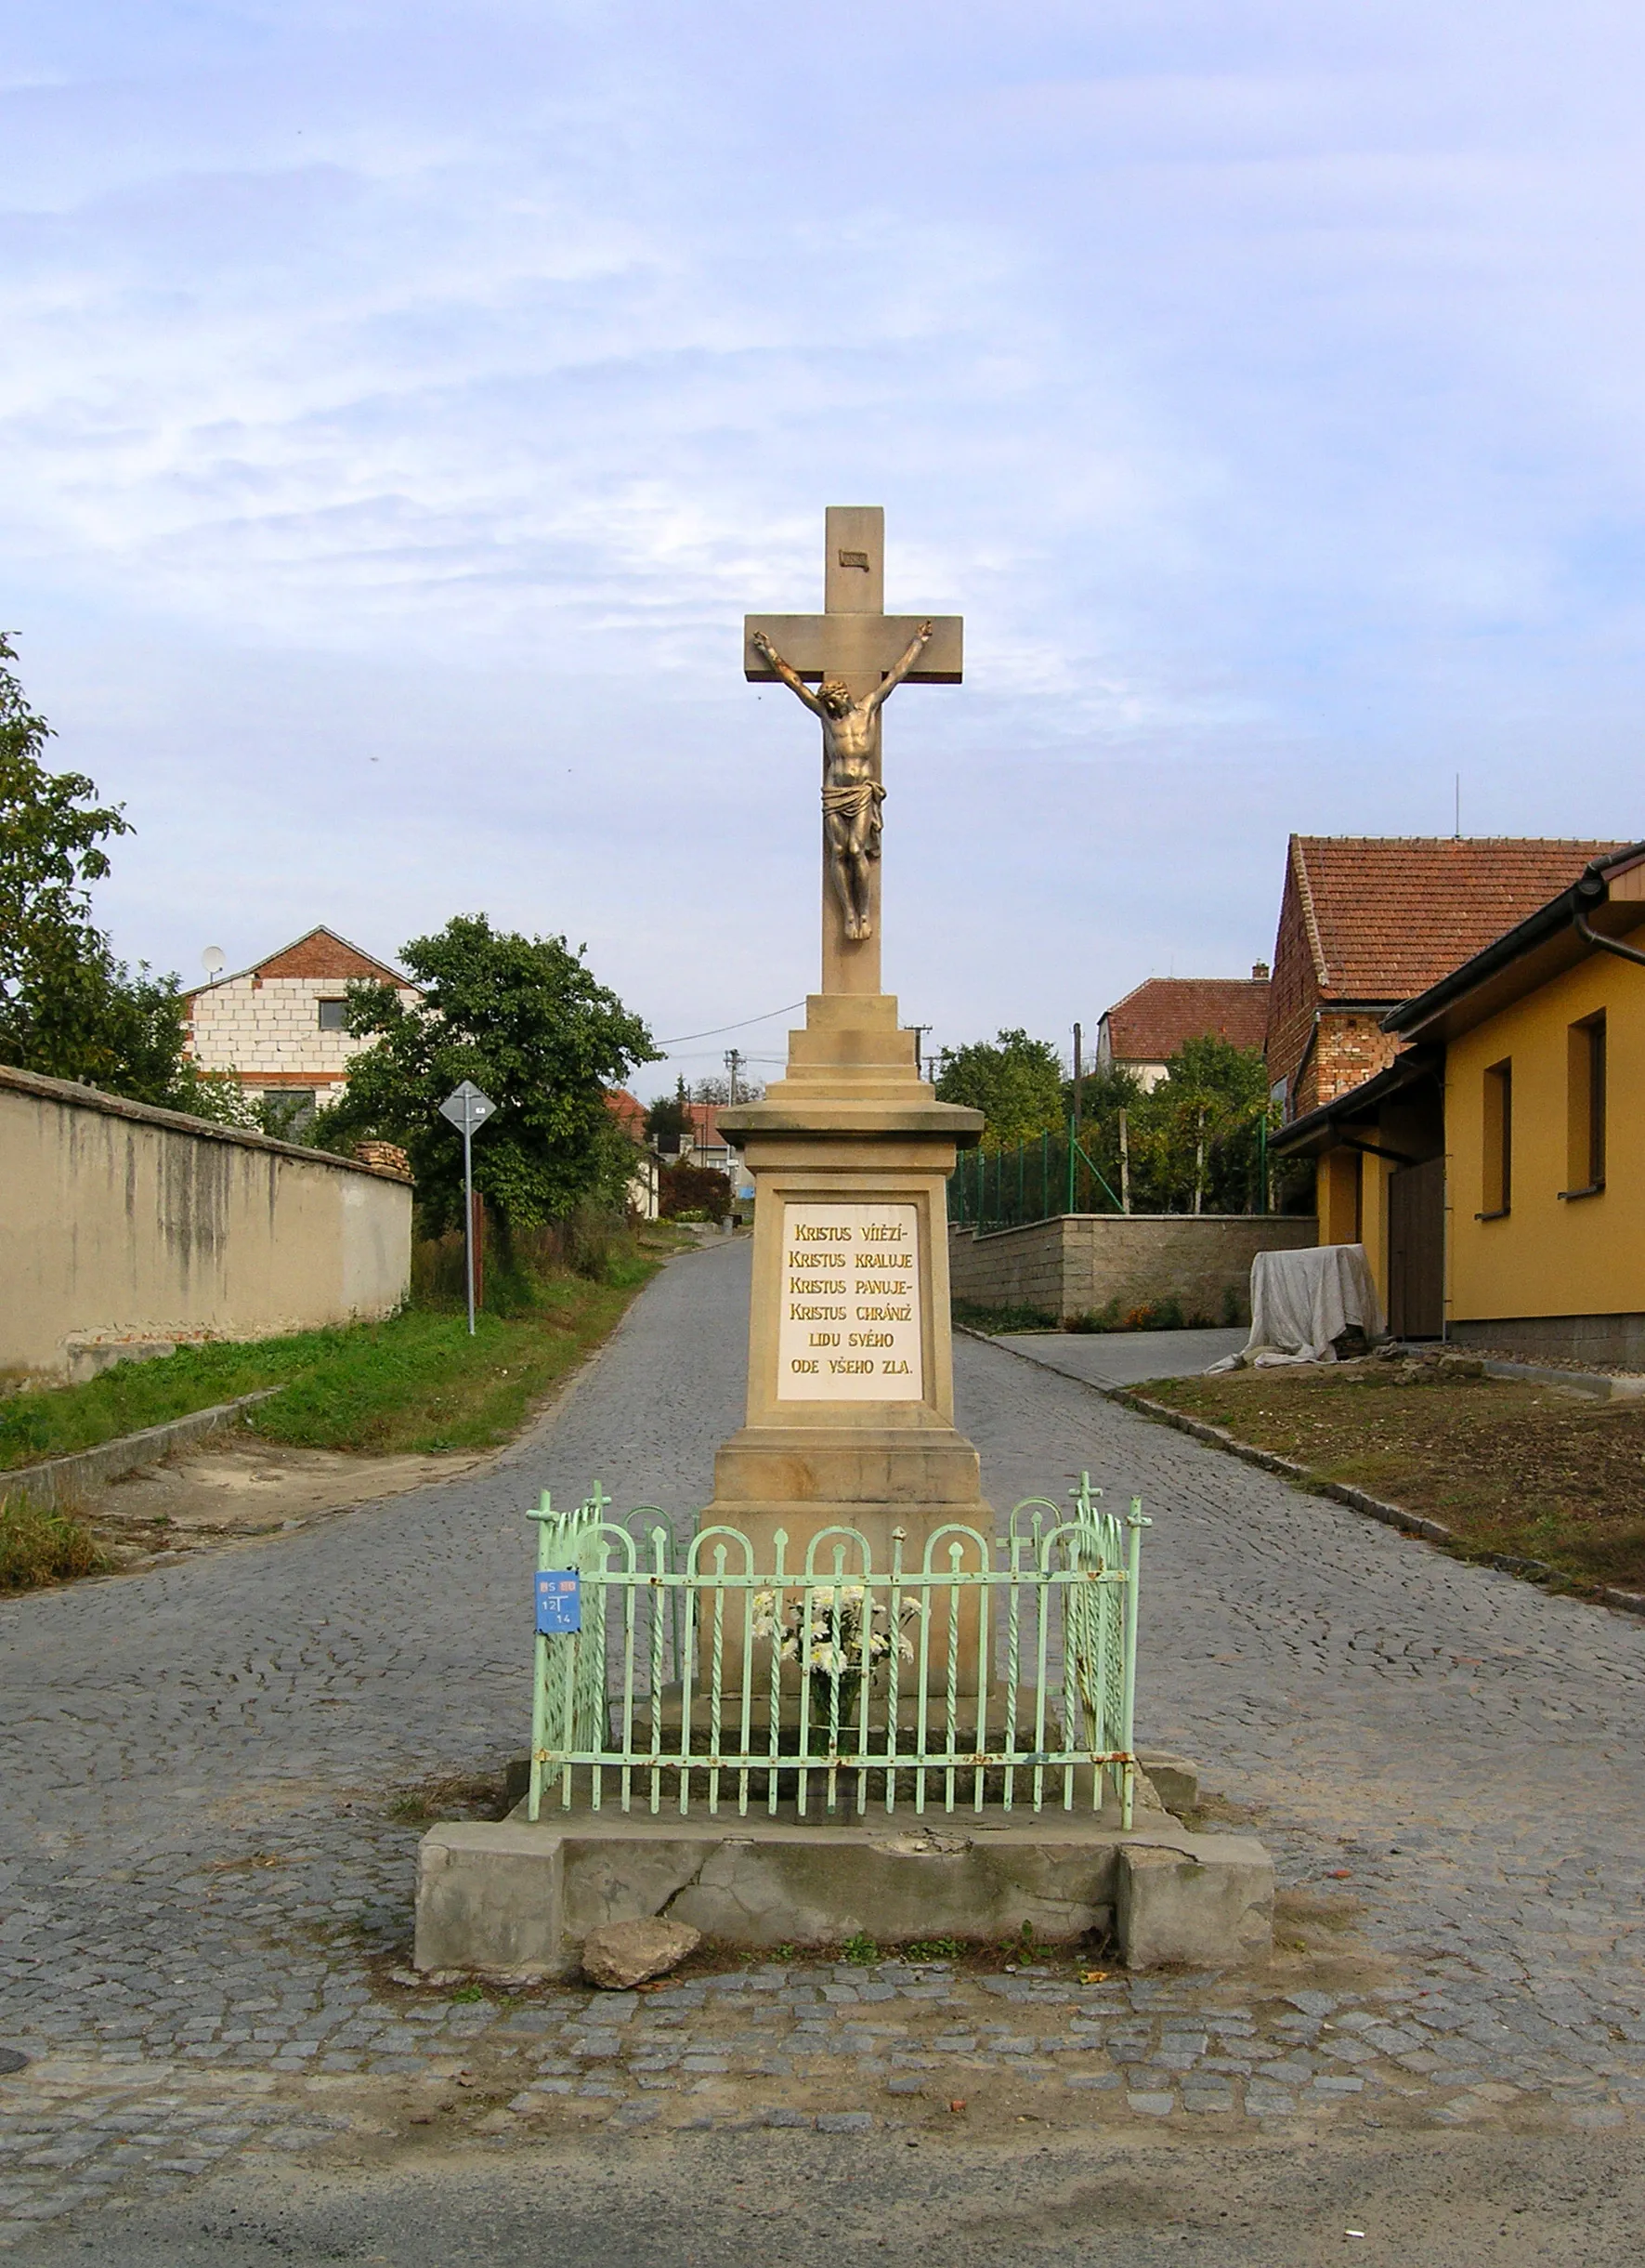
(1416, 1250)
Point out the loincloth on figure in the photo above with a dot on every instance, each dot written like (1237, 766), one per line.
(857, 802)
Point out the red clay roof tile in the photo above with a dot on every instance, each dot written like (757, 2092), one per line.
(1392, 914)
(1149, 1024)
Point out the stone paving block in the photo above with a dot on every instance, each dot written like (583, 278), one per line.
(1350, 1686)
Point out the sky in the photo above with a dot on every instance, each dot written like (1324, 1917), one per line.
(401, 404)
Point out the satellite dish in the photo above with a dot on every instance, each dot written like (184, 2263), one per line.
(212, 961)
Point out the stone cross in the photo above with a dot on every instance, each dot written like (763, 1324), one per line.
(854, 640)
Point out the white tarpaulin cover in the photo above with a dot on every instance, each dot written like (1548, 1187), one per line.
(1302, 1301)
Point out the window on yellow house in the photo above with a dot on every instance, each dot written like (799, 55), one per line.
(1585, 1098)
(1498, 1145)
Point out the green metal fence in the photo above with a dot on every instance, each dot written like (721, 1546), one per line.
(994, 1671)
(1054, 1173)
(1003, 1188)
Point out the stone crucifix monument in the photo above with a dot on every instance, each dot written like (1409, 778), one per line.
(851, 1388)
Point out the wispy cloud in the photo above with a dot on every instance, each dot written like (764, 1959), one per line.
(399, 406)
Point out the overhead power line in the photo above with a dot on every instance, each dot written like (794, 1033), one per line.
(718, 1029)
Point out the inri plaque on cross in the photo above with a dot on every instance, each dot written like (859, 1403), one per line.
(856, 654)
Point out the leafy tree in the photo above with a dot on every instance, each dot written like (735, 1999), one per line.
(51, 834)
(68, 1007)
(668, 1121)
(1017, 1085)
(718, 1091)
(525, 1020)
(1200, 1129)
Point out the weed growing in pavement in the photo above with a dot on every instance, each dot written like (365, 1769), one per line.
(42, 1547)
(860, 1949)
(462, 1795)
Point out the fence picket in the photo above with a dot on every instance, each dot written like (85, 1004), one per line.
(1054, 1597)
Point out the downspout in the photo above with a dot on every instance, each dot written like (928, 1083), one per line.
(1445, 1288)
(1589, 935)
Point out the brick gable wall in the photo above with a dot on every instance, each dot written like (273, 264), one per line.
(325, 956)
(1293, 990)
(1351, 1047)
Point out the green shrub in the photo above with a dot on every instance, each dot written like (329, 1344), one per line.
(975, 1315)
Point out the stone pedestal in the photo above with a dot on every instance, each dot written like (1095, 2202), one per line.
(851, 1376)
(517, 1902)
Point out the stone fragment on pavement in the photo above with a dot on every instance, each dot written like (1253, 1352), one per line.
(627, 1953)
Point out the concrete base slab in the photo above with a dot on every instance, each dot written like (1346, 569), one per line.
(1173, 1904)
(515, 1901)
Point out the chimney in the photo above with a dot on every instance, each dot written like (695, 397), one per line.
(1259, 971)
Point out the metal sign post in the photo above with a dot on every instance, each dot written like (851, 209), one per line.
(468, 1109)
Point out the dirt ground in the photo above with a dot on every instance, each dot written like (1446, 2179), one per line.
(229, 1488)
(1542, 1471)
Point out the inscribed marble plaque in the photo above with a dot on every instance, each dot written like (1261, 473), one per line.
(850, 1330)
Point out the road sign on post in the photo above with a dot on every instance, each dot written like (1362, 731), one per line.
(468, 1109)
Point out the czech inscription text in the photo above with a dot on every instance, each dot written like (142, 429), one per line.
(850, 1328)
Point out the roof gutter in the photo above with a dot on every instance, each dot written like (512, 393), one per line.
(1579, 921)
(1592, 886)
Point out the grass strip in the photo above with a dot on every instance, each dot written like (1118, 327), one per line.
(414, 1383)
(1535, 1472)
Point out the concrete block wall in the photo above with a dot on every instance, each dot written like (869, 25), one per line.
(121, 1225)
(1082, 1261)
(272, 1025)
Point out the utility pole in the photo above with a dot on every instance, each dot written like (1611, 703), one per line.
(1125, 1164)
(1078, 1076)
(733, 1065)
(919, 1031)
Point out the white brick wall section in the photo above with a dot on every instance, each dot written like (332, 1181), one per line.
(274, 1027)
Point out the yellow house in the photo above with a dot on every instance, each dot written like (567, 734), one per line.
(1495, 1171)
(1380, 1167)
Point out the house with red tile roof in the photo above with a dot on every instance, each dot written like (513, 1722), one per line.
(1491, 1171)
(1368, 922)
(628, 1112)
(1141, 1033)
(278, 1027)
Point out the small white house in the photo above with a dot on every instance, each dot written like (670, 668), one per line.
(276, 1027)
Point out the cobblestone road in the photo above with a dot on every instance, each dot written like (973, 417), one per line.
(203, 1893)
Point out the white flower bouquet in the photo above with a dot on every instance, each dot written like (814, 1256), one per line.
(837, 1637)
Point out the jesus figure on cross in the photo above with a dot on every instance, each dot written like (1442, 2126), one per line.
(852, 792)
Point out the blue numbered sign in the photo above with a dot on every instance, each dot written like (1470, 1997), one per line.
(559, 1602)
